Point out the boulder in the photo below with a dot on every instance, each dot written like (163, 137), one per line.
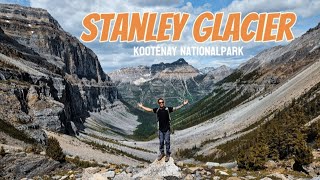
(229, 165)
(159, 170)
(212, 164)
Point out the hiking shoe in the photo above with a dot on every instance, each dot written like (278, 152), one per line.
(167, 158)
(160, 156)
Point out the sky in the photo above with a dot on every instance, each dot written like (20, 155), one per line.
(116, 55)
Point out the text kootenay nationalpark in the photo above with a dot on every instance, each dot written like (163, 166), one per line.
(188, 51)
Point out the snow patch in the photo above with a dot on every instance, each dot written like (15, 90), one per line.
(140, 81)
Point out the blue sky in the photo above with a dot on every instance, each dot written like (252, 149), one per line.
(117, 55)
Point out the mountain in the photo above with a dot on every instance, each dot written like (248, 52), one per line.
(174, 81)
(260, 75)
(49, 79)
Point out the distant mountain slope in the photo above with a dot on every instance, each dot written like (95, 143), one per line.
(172, 81)
(259, 75)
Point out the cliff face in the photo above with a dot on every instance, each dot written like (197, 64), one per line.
(37, 29)
(49, 80)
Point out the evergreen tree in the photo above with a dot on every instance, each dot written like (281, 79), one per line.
(54, 150)
(254, 158)
(302, 153)
(2, 151)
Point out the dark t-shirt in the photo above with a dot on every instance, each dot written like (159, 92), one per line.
(163, 117)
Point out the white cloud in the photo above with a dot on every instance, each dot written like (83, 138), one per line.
(303, 8)
(117, 55)
(144, 3)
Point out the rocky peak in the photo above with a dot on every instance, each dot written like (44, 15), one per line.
(207, 69)
(35, 15)
(314, 28)
(180, 61)
(216, 74)
(172, 67)
(37, 29)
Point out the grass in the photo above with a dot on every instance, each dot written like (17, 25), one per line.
(187, 153)
(15, 133)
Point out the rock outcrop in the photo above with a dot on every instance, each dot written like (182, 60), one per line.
(24, 165)
(160, 170)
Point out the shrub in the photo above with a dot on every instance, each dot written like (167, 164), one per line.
(54, 150)
(80, 163)
(34, 148)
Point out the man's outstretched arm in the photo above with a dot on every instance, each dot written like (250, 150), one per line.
(145, 108)
(179, 107)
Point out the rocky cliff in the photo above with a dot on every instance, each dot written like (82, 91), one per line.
(172, 81)
(49, 79)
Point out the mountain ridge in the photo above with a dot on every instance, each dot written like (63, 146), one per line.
(178, 79)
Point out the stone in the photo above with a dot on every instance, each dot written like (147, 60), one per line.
(212, 164)
(223, 173)
(122, 176)
(101, 176)
(278, 175)
(233, 178)
(109, 174)
(229, 165)
(91, 170)
(192, 170)
(180, 163)
(189, 177)
(56, 177)
(64, 177)
(160, 169)
(271, 164)
(129, 169)
(234, 174)
(216, 178)
(250, 177)
(266, 178)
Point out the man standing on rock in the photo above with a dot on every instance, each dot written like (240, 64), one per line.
(163, 116)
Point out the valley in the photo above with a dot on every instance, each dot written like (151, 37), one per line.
(53, 87)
